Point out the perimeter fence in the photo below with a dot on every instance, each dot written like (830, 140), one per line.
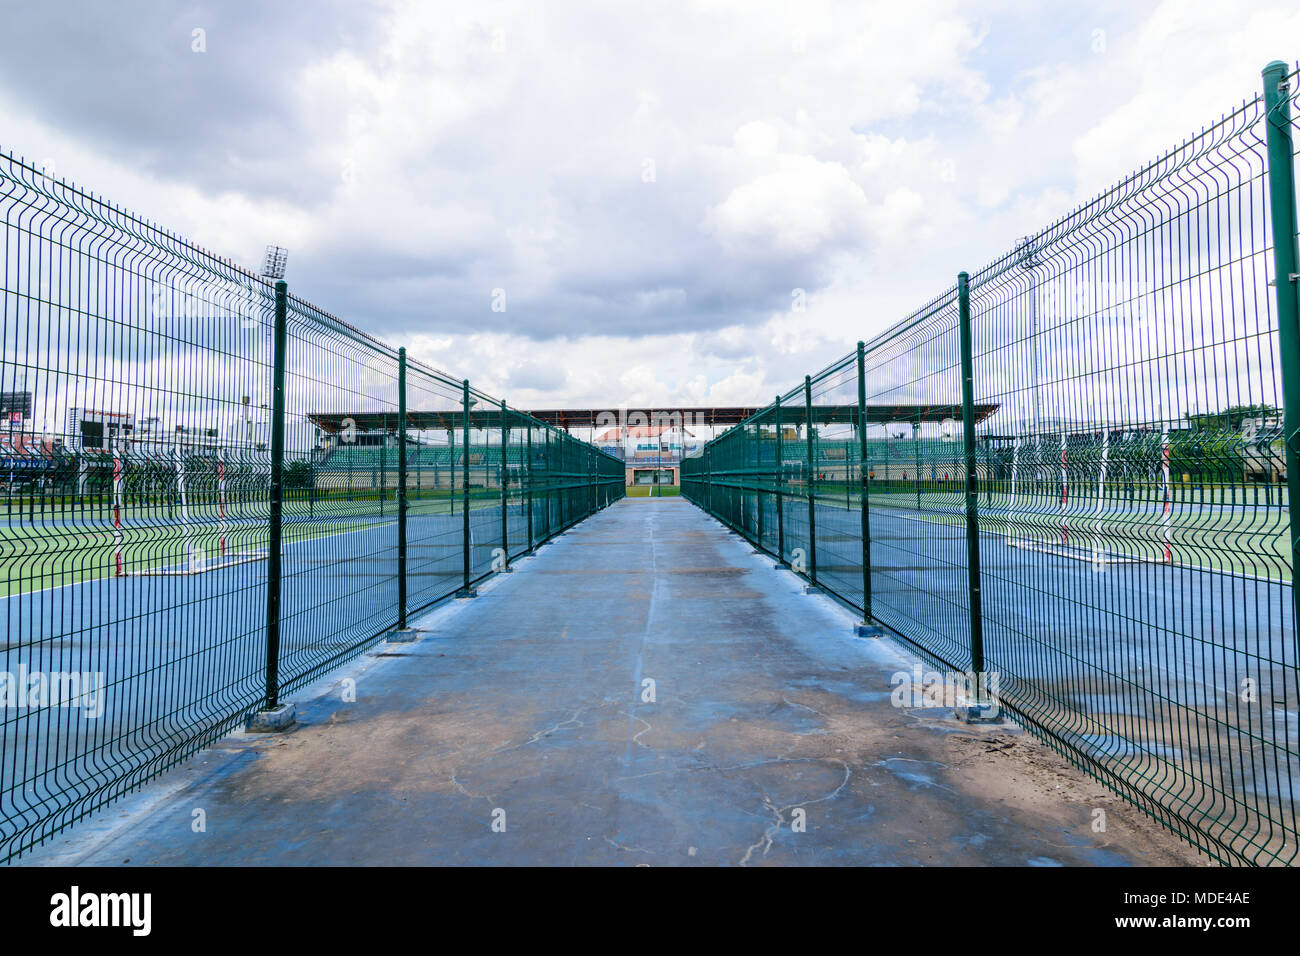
(1070, 478)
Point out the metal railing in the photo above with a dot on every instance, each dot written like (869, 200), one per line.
(1071, 476)
(214, 492)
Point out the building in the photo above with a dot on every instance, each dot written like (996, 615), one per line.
(651, 453)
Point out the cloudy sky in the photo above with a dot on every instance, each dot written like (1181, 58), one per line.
(650, 190)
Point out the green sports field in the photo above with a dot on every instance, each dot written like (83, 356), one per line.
(1207, 532)
(70, 544)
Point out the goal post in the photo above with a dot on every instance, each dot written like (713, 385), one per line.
(1105, 530)
(182, 538)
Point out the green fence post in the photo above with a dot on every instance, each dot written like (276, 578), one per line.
(758, 481)
(864, 497)
(277, 500)
(528, 479)
(977, 707)
(1282, 197)
(401, 489)
(505, 530)
(812, 489)
(465, 590)
(780, 489)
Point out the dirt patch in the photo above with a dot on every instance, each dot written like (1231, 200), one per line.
(1013, 767)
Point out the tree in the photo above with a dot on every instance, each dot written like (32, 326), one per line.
(1231, 418)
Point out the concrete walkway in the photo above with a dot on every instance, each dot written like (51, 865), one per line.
(525, 707)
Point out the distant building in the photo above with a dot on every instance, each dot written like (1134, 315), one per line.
(649, 451)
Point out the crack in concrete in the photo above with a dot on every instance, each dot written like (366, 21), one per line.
(557, 727)
(628, 849)
(779, 812)
(636, 739)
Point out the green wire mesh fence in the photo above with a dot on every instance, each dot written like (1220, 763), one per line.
(1070, 477)
(214, 492)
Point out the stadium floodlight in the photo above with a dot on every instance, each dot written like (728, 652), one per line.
(277, 257)
(1027, 260)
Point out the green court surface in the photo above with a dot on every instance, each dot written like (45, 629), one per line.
(71, 545)
(1204, 532)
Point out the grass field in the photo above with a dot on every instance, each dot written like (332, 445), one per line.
(650, 491)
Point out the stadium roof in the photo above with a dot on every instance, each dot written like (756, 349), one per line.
(569, 418)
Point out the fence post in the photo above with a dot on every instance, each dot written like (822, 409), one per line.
(757, 479)
(505, 494)
(1281, 194)
(864, 497)
(706, 477)
(401, 489)
(267, 720)
(465, 590)
(812, 492)
(975, 707)
(528, 477)
(780, 489)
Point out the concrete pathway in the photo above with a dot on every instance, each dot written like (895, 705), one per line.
(644, 690)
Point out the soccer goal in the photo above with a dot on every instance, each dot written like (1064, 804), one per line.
(194, 558)
(1065, 501)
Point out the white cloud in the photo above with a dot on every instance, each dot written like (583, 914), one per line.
(801, 208)
(862, 152)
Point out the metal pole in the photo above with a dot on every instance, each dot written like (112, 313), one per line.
(972, 487)
(505, 530)
(276, 502)
(528, 478)
(1282, 197)
(401, 489)
(812, 494)
(864, 495)
(465, 590)
(758, 480)
(780, 489)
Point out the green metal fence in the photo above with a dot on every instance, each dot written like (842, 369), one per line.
(214, 492)
(1071, 475)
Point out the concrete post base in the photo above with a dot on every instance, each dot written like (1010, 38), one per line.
(274, 721)
(466, 593)
(971, 711)
(403, 636)
(811, 589)
(868, 630)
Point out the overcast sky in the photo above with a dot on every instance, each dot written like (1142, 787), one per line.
(653, 187)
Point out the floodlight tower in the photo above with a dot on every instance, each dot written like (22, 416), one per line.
(274, 262)
(1027, 260)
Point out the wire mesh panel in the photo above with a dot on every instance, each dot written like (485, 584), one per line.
(135, 372)
(914, 468)
(1136, 565)
(1104, 522)
(167, 419)
(832, 400)
(515, 442)
(434, 490)
(339, 561)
